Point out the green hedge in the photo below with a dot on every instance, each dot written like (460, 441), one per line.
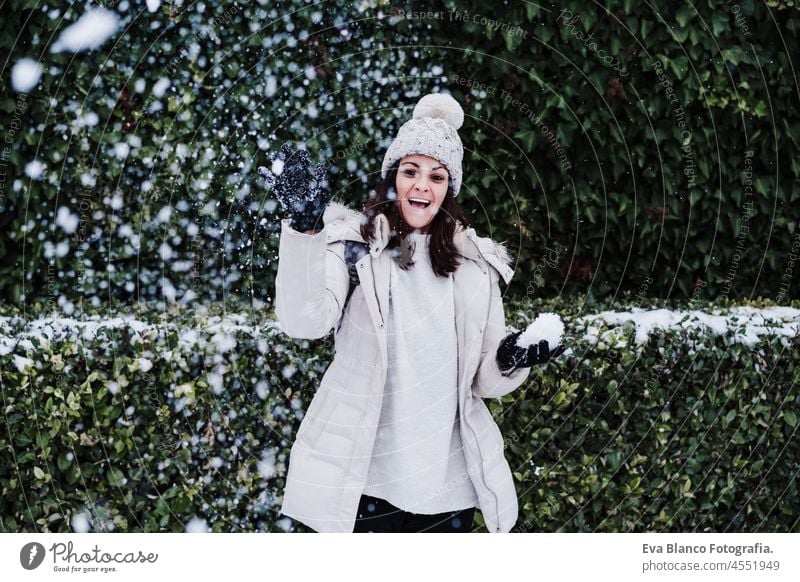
(576, 151)
(147, 427)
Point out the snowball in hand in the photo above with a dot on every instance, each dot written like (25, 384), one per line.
(548, 326)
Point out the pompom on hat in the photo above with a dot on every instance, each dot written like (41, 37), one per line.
(431, 131)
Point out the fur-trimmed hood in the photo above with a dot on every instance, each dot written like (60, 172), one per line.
(338, 211)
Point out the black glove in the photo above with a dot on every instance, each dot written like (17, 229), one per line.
(510, 355)
(301, 190)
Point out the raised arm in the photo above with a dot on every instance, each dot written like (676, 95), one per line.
(311, 284)
(312, 276)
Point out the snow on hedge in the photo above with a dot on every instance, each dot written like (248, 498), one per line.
(217, 334)
(746, 324)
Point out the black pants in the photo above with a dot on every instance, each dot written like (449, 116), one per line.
(379, 516)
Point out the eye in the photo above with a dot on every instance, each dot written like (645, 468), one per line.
(409, 172)
(438, 178)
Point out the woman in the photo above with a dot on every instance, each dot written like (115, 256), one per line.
(397, 438)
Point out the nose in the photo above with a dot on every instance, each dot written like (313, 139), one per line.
(421, 185)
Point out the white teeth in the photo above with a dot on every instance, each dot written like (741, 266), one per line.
(426, 202)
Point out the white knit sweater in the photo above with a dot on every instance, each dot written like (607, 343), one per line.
(418, 462)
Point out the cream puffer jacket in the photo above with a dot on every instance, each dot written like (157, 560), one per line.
(330, 457)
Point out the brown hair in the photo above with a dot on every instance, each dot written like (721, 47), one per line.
(383, 200)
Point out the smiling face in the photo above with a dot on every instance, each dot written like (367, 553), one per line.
(421, 186)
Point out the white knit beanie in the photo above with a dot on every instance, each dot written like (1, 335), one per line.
(431, 132)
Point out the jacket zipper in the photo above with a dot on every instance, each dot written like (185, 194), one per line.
(375, 288)
(364, 412)
(483, 476)
(475, 437)
(360, 423)
(350, 460)
(377, 298)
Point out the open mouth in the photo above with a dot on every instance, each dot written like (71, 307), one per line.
(419, 202)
